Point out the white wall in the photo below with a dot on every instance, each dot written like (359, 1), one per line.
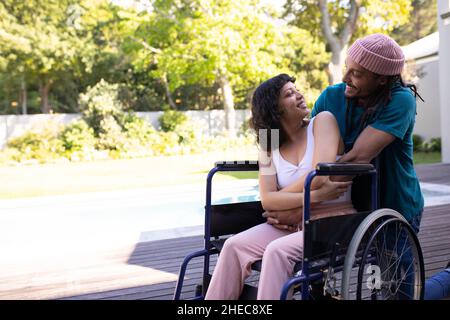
(15, 125)
(428, 123)
(206, 122)
(210, 122)
(444, 76)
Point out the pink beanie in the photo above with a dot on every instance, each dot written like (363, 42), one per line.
(378, 53)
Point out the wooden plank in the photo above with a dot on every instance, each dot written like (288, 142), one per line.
(123, 273)
(146, 290)
(434, 173)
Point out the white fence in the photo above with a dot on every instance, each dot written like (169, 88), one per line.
(207, 122)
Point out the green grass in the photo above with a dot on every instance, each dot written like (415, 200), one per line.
(427, 157)
(242, 175)
(57, 179)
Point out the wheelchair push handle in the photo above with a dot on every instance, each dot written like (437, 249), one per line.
(240, 165)
(332, 168)
(323, 168)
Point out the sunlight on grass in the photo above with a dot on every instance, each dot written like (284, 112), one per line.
(243, 175)
(98, 176)
(108, 175)
(427, 157)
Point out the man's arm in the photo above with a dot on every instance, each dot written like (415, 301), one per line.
(368, 145)
(285, 219)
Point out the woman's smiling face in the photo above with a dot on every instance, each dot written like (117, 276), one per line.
(292, 103)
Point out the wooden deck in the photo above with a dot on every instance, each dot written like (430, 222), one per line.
(149, 270)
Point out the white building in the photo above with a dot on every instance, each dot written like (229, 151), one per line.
(422, 59)
(444, 75)
(430, 57)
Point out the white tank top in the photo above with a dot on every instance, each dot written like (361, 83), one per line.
(287, 172)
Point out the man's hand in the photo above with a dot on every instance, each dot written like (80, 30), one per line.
(286, 219)
(330, 190)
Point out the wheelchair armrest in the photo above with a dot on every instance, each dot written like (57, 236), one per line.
(241, 165)
(344, 168)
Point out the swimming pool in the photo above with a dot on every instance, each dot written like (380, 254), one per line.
(187, 217)
(435, 194)
(127, 216)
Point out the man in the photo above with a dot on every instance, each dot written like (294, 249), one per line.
(376, 112)
(376, 115)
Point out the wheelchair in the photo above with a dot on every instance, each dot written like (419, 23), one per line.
(373, 254)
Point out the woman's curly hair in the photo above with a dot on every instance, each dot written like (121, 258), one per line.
(265, 111)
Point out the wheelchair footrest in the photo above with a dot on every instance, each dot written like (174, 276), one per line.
(249, 292)
(257, 265)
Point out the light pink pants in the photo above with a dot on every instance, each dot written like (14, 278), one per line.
(279, 251)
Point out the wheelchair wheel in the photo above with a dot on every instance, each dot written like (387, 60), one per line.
(384, 260)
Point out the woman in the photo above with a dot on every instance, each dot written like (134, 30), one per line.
(277, 104)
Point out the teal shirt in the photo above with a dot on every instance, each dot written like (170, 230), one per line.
(399, 185)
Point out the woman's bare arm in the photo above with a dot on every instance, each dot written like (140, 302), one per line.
(326, 145)
(271, 197)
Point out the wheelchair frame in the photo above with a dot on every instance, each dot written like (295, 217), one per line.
(324, 169)
(307, 274)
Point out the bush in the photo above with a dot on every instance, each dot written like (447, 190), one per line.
(138, 129)
(171, 119)
(10, 156)
(186, 133)
(179, 123)
(111, 136)
(43, 146)
(100, 103)
(117, 132)
(107, 131)
(435, 145)
(417, 143)
(245, 128)
(78, 136)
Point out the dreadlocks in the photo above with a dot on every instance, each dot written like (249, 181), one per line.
(379, 99)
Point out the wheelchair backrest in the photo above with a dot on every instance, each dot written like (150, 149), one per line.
(233, 218)
(323, 234)
(361, 193)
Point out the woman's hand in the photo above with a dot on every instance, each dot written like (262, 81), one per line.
(330, 190)
(289, 220)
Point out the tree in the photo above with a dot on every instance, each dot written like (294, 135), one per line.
(51, 40)
(307, 60)
(14, 46)
(208, 41)
(422, 23)
(339, 22)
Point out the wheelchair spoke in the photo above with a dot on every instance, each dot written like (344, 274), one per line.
(395, 245)
(397, 261)
(394, 251)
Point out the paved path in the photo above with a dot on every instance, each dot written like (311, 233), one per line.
(45, 227)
